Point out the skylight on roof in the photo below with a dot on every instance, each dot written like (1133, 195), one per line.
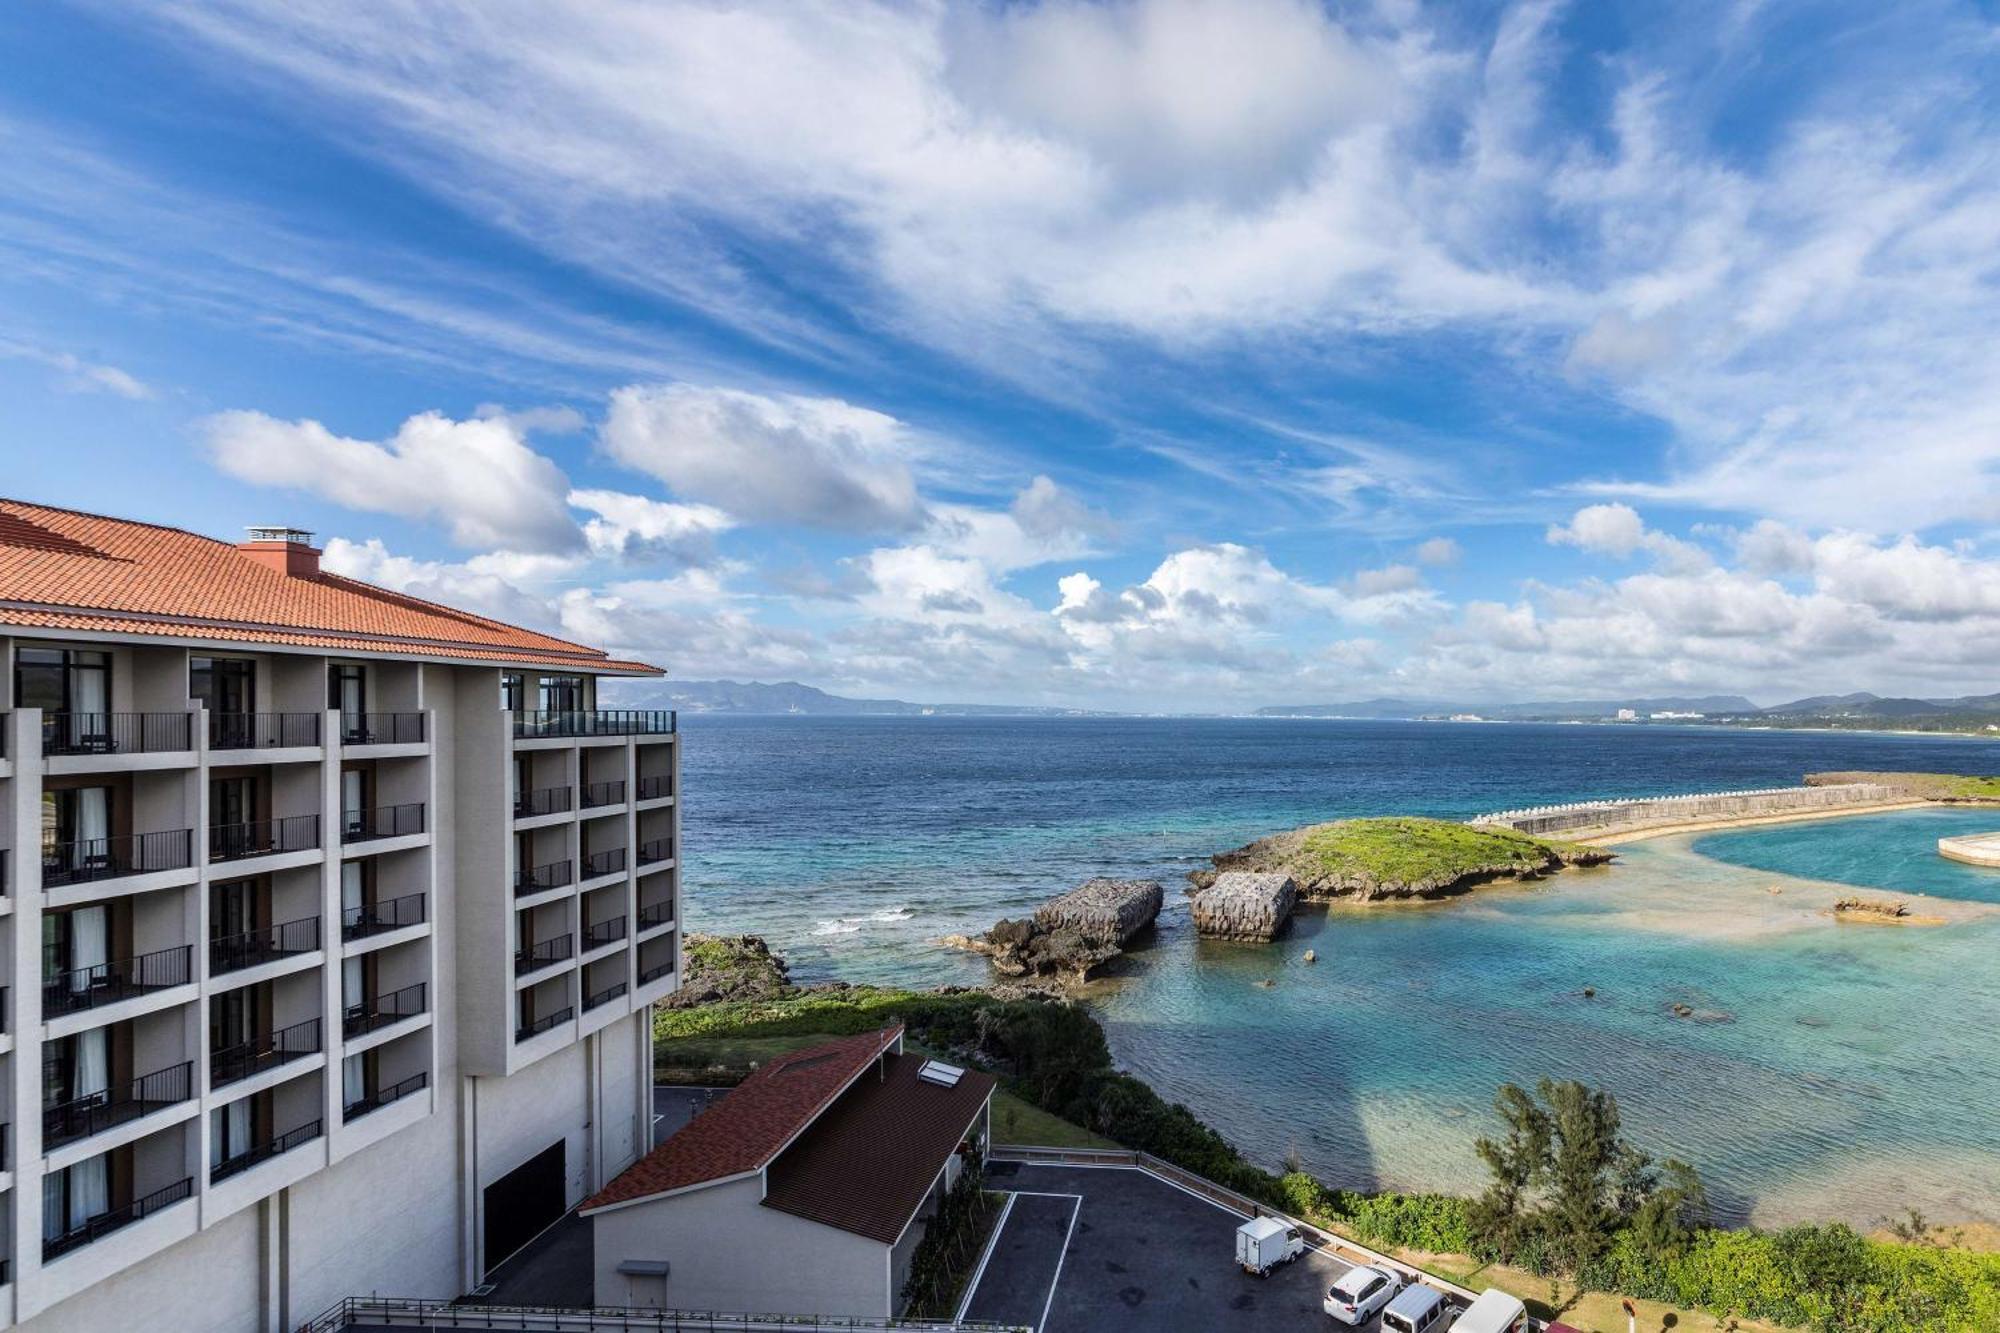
(940, 1073)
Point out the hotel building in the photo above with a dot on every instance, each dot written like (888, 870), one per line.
(330, 925)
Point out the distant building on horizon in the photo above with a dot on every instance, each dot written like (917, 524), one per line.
(334, 920)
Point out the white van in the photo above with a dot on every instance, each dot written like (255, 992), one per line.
(1263, 1243)
(1419, 1309)
(1494, 1312)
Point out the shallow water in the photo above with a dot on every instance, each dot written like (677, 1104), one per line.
(1830, 1070)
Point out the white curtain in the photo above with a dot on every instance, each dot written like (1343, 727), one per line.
(353, 1080)
(90, 1070)
(89, 1190)
(350, 796)
(350, 885)
(229, 1133)
(87, 704)
(93, 814)
(89, 931)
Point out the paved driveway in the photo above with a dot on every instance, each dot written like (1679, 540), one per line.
(1136, 1255)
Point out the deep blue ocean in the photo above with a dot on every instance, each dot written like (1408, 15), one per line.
(1829, 1070)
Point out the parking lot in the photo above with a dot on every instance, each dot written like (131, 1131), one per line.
(1087, 1249)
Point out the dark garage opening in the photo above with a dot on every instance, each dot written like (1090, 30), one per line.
(524, 1202)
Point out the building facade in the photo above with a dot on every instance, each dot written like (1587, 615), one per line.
(332, 922)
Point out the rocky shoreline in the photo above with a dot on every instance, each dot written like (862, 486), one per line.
(1070, 937)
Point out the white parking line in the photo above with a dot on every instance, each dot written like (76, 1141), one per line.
(993, 1243)
(1061, 1255)
(980, 1272)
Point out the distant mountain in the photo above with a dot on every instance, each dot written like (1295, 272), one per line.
(1365, 708)
(749, 696)
(1874, 705)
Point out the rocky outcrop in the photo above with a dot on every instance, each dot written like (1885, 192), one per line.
(1371, 860)
(1104, 911)
(729, 967)
(1245, 905)
(1072, 936)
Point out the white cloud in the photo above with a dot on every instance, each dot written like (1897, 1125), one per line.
(819, 462)
(636, 529)
(1617, 530)
(77, 375)
(479, 477)
(1439, 551)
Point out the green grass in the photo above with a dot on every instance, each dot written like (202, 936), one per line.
(835, 1012)
(1401, 850)
(1016, 1121)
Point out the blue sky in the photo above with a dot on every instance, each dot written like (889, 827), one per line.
(1163, 353)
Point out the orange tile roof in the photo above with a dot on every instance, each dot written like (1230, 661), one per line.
(746, 1129)
(60, 569)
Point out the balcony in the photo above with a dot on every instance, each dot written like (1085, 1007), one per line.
(603, 933)
(656, 914)
(537, 725)
(233, 953)
(94, 859)
(605, 996)
(263, 1152)
(81, 1117)
(653, 788)
(116, 733)
(81, 988)
(358, 1020)
(541, 801)
(603, 793)
(380, 1098)
(540, 879)
(540, 1025)
(608, 862)
(262, 731)
(111, 1220)
(655, 850)
(655, 972)
(381, 729)
(379, 918)
(232, 1064)
(384, 821)
(263, 837)
(546, 954)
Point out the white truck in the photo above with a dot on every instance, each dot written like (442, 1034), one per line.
(1494, 1312)
(1263, 1243)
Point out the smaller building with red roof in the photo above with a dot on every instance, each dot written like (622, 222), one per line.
(804, 1191)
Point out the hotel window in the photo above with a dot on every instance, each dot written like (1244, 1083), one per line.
(62, 680)
(347, 690)
(228, 685)
(562, 694)
(513, 691)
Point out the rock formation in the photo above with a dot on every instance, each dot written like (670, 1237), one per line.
(1245, 905)
(1072, 936)
(1370, 860)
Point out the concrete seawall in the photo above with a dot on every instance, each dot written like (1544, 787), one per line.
(1975, 849)
(1586, 820)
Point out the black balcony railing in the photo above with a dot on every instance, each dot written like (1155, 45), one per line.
(603, 793)
(263, 837)
(80, 1117)
(540, 879)
(655, 850)
(233, 1063)
(541, 955)
(384, 821)
(537, 1026)
(378, 918)
(116, 733)
(262, 731)
(54, 1247)
(109, 858)
(233, 953)
(656, 914)
(653, 788)
(655, 972)
(541, 801)
(381, 728)
(609, 993)
(608, 862)
(533, 723)
(603, 933)
(6, 1013)
(263, 1152)
(359, 1019)
(68, 991)
(381, 1097)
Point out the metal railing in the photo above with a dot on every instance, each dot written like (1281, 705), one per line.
(536, 1027)
(233, 953)
(79, 988)
(540, 879)
(116, 733)
(549, 951)
(611, 992)
(381, 728)
(263, 1152)
(93, 1113)
(263, 837)
(655, 850)
(381, 1097)
(402, 1312)
(541, 801)
(93, 859)
(608, 862)
(534, 723)
(377, 918)
(656, 914)
(112, 1219)
(359, 1019)
(233, 1063)
(384, 821)
(603, 793)
(655, 972)
(654, 787)
(604, 932)
(262, 731)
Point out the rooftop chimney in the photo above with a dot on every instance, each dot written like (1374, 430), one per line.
(289, 551)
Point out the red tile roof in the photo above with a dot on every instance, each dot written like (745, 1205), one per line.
(61, 569)
(746, 1129)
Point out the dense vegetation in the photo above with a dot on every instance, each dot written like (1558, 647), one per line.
(1569, 1195)
(1407, 850)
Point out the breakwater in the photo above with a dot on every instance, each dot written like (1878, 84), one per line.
(1612, 817)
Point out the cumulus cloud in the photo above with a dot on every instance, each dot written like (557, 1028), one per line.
(1439, 551)
(637, 529)
(1617, 530)
(817, 462)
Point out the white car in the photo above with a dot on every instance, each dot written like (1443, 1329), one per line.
(1357, 1294)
